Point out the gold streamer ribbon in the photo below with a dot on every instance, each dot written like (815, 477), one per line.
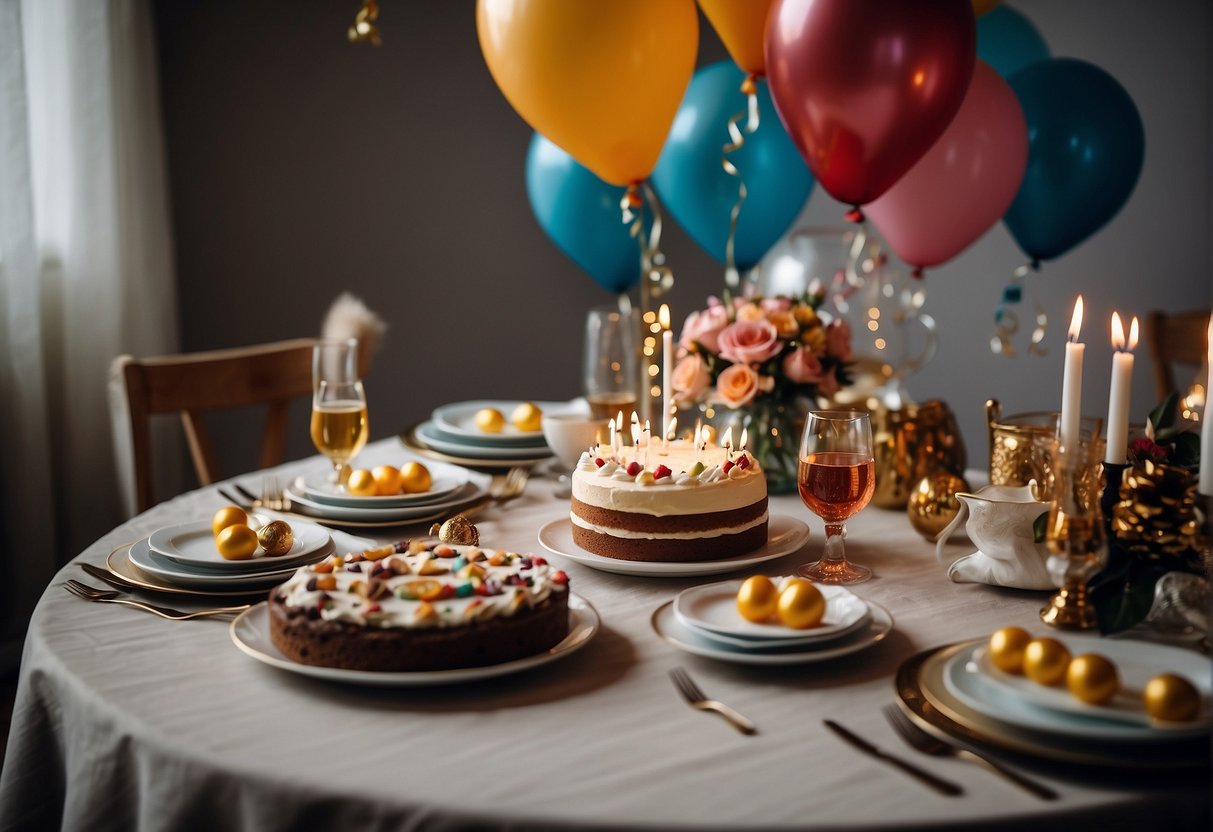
(365, 28)
(656, 278)
(749, 88)
(1006, 321)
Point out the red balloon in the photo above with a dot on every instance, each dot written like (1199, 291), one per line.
(964, 183)
(865, 87)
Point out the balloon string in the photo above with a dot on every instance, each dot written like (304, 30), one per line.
(855, 257)
(1007, 323)
(656, 277)
(749, 87)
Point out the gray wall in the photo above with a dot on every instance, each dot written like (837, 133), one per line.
(302, 165)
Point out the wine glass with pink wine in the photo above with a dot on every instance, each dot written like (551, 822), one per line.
(836, 478)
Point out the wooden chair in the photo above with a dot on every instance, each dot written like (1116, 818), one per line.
(191, 384)
(1175, 338)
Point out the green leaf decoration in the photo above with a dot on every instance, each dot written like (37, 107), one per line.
(1163, 416)
(1040, 527)
(1186, 451)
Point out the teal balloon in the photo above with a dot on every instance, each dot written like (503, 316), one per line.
(581, 214)
(1086, 144)
(700, 195)
(1008, 41)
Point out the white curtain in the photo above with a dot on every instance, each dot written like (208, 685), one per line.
(85, 267)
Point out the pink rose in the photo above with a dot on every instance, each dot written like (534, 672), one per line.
(802, 367)
(770, 305)
(838, 339)
(749, 342)
(690, 378)
(704, 327)
(737, 385)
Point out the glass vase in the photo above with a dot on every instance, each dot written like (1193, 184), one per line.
(773, 431)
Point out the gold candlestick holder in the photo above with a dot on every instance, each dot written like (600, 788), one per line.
(1075, 535)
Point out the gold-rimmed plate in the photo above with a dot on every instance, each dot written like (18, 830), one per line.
(923, 695)
(119, 563)
(413, 442)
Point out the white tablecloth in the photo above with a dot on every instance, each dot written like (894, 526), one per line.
(124, 720)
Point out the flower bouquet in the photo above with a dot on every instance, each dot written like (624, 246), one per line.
(766, 359)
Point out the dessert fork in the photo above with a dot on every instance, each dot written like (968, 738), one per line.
(697, 700)
(89, 593)
(920, 740)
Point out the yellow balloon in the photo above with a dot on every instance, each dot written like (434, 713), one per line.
(980, 7)
(742, 28)
(601, 80)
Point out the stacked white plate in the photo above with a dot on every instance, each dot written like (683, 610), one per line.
(185, 555)
(315, 493)
(451, 432)
(704, 620)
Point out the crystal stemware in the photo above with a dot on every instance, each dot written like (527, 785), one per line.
(339, 420)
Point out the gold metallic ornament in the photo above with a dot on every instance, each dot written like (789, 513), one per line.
(1006, 648)
(757, 598)
(458, 531)
(1156, 514)
(933, 503)
(276, 538)
(1171, 698)
(1045, 661)
(1093, 679)
(801, 604)
(236, 542)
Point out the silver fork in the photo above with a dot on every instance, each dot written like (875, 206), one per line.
(104, 596)
(502, 491)
(697, 700)
(272, 495)
(920, 740)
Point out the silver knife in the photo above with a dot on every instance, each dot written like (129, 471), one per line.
(937, 783)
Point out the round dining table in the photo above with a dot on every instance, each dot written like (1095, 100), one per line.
(124, 720)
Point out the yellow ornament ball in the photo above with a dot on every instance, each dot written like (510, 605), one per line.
(388, 481)
(527, 417)
(1006, 648)
(236, 542)
(1045, 661)
(490, 420)
(228, 516)
(1093, 679)
(757, 598)
(1171, 698)
(415, 478)
(801, 604)
(361, 483)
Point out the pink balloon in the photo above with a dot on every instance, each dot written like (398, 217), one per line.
(864, 87)
(964, 183)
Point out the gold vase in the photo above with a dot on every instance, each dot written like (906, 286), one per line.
(909, 443)
(1075, 534)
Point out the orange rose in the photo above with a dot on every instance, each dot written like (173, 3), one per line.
(737, 385)
(784, 323)
(689, 378)
(750, 312)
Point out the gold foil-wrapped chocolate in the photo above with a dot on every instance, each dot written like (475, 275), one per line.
(276, 538)
(933, 503)
(458, 531)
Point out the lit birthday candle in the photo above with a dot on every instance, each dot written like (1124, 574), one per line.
(667, 368)
(1071, 382)
(1120, 388)
(728, 443)
(1205, 486)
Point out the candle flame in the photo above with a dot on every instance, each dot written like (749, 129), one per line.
(744, 438)
(728, 438)
(635, 418)
(635, 432)
(1133, 334)
(1209, 342)
(673, 429)
(1075, 320)
(619, 420)
(663, 316)
(1118, 333)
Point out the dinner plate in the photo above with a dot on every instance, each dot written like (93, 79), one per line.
(316, 486)
(1137, 662)
(458, 421)
(476, 486)
(666, 624)
(118, 561)
(784, 536)
(469, 457)
(428, 434)
(713, 608)
(161, 567)
(251, 633)
(193, 544)
(924, 696)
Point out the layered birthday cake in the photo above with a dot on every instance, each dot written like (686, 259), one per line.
(675, 502)
(413, 608)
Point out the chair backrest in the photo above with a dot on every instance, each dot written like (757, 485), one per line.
(191, 384)
(1175, 338)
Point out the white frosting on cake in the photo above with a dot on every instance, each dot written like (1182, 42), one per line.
(677, 493)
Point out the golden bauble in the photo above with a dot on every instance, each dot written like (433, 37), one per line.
(458, 531)
(490, 420)
(1006, 648)
(387, 480)
(801, 604)
(361, 483)
(236, 542)
(1045, 661)
(526, 417)
(1092, 678)
(276, 538)
(933, 503)
(228, 516)
(1171, 698)
(757, 598)
(415, 478)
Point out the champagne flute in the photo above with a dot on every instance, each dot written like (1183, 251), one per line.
(836, 478)
(612, 361)
(339, 421)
